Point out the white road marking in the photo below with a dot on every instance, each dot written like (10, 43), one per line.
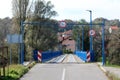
(58, 59)
(71, 58)
(62, 58)
(63, 74)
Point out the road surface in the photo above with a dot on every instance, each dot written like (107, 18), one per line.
(71, 71)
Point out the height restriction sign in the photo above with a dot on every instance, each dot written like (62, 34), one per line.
(62, 24)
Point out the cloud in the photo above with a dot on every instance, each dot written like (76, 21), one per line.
(5, 8)
(75, 9)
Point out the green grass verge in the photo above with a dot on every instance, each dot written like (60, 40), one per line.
(111, 65)
(16, 71)
(112, 76)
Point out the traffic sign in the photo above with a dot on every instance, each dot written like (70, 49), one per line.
(92, 32)
(110, 30)
(62, 24)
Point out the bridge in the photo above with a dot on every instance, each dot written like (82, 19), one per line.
(56, 65)
(65, 67)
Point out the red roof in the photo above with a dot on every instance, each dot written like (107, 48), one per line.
(114, 27)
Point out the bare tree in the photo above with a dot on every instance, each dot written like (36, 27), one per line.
(20, 9)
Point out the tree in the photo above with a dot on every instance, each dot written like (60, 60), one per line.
(43, 9)
(20, 10)
(114, 48)
(77, 33)
(41, 36)
(5, 28)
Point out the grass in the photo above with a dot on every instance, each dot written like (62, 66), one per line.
(16, 71)
(112, 76)
(111, 65)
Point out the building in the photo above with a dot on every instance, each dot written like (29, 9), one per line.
(66, 40)
(113, 28)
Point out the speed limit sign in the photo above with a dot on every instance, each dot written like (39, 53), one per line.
(62, 24)
(92, 32)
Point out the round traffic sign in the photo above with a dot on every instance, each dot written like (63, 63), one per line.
(62, 24)
(92, 32)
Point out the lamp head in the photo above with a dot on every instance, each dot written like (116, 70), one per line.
(89, 10)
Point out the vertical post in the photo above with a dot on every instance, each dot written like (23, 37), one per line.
(78, 44)
(10, 49)
(82, 38)
(103, 45)
(91, 38)
(10, 55)
(22, 44)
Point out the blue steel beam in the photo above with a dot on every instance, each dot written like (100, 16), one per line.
(41, 23)
(103, 43)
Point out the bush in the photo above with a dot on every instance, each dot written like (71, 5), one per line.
(67, 51)
(17, 71)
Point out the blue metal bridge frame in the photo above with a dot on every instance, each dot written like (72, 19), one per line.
(68, 24)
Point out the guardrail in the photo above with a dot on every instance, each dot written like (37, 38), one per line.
(82, 55)
(47, 55)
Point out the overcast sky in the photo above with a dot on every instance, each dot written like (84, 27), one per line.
(75, 9)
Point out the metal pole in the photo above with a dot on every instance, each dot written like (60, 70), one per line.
(10, 55)
(82, 38)
(91, 38)
(103, 45)
(22, 44)
(78, 48)
(10, 49)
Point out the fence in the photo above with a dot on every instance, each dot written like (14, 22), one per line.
(82, 55)
(47, 55)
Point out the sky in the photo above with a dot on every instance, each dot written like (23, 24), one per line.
(75, 9)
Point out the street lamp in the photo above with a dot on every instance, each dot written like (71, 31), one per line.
(91, 38)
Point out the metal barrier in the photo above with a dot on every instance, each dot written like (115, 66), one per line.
(82, 55)
(47, 55)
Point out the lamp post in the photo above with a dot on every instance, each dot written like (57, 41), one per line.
(91, 38)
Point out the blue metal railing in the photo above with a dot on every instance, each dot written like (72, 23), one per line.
(47, 55)
(82, 55)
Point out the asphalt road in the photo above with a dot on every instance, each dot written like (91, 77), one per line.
(71, 71)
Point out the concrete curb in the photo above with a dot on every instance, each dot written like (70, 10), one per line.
(101, 67)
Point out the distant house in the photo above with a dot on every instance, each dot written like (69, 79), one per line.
(113, 28)
(66, 40)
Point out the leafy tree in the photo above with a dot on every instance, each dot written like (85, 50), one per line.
(114, 48)
(20, 11)
(41, 36)
(77, 30)
(43, 10)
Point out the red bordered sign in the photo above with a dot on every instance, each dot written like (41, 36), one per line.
(92, 32)
(62, 24)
